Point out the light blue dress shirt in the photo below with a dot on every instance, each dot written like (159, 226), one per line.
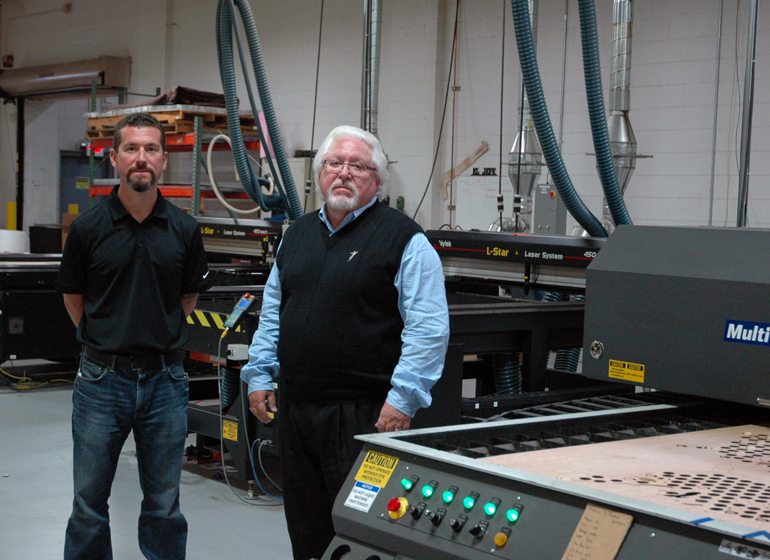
(423, 308)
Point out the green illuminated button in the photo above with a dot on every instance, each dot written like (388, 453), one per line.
(429, 489)
(470, 500)
(408, 483)
(490, 508)
(449, 494)
(512, 515)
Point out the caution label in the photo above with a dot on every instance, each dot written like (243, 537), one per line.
(230, 430)
(376, 468)
(627, 371)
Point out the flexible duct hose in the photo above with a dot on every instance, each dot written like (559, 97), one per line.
(534, 88)
(567, 359)
(225, 29)
(507, 373)
(229, 387)
(601, 138)
(550, 296)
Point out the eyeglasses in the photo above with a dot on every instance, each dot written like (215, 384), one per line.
(355, 167)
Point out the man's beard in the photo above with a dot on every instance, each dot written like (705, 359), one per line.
(341, 202)
(140, 185)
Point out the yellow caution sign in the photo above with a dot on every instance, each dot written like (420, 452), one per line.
(230, 430)
(377, 468)
(626, 371)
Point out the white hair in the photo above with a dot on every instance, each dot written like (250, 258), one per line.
(379, 158)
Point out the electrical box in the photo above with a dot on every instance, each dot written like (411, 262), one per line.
(549, 214)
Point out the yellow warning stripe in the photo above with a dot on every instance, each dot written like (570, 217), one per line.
(219, 320)
(201, 316)
(209, 319)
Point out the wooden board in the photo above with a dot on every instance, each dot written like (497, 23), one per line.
(173, 121)
(722, 473)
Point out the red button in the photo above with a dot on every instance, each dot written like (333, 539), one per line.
(394, 504)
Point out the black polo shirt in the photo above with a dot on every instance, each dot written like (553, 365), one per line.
(133, 275)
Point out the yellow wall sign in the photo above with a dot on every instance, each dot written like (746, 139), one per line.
(376, 468)
(627, 371)
(230, 430)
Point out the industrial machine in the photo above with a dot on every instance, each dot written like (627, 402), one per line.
(31, 310)
(513, 299)
(532, 261)
(240, 255)
(648, 474)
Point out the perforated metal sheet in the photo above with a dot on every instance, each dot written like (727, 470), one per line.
(721, 473)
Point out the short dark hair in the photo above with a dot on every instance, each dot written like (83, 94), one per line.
(138, 120)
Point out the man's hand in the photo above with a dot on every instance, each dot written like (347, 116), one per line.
(260, 402)
(391, 420)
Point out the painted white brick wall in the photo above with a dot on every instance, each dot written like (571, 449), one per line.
(673, 76)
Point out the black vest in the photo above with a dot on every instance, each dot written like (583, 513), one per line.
(340, 328)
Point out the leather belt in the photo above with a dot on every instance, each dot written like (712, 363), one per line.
(133, 362)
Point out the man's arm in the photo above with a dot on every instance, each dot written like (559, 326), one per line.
(75, 306)
(188, 303)
(423, 307)
(263, 365)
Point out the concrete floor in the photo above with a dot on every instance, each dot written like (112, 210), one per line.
(36, 492)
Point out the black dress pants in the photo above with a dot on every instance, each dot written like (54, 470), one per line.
(318, 449)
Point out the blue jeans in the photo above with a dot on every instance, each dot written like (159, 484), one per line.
(106, 405)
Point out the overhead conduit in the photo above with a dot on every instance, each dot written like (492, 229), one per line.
(568, 358)
(534, 89)
(286, 195)
(601, 138)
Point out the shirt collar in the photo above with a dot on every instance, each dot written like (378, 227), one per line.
(347, 219)
(118, 211)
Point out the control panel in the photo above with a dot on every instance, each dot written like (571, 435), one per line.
(454, 515)
(398, 505)
(464, 517)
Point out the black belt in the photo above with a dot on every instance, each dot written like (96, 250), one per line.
(137, 361)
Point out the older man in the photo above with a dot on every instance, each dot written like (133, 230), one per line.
(357, 295)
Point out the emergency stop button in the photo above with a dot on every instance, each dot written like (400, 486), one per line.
(397, 507)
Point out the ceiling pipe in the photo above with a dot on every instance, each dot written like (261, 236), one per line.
(622, 139)
(370, 79)
(748, 109)
(525, 159)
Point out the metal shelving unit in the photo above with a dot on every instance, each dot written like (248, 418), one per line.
(176, 142)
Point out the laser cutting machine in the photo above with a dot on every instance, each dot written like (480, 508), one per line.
(679, 472)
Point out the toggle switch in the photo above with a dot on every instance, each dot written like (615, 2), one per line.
(436, 517)
(417, 511)
(458, 523)
(480, 529)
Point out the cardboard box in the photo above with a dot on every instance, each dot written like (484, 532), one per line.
(66, 222)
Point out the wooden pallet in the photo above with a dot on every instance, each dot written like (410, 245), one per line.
(174, 122)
